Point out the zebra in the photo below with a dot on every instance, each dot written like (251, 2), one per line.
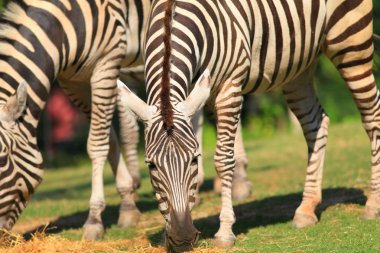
(233, 48)
(82, 44)
(241, 187)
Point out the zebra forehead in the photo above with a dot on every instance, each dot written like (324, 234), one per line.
(181, 128)
(180, 142)
(171, 144)
(169, 147)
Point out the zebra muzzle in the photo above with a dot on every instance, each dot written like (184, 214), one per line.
(182, 235)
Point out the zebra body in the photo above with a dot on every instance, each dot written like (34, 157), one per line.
(82, 44)
(246, 47)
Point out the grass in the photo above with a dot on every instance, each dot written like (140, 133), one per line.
(277, 170)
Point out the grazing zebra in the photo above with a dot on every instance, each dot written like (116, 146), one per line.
(234, 48)
(241, 187)
(82, 44)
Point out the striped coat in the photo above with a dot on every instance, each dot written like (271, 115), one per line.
(234, 48)
(82, 44)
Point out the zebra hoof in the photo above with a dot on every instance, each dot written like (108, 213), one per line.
(224, 242)
(128, 218)
(241, 189)
(371, 212)
(302, 220)
(93, 232)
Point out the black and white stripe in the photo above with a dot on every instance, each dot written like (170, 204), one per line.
(82, 44)
(250, 47)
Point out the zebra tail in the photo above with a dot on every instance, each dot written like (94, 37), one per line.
(376, 37)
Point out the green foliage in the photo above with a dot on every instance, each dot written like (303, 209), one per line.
(376, 16)
(268, 115)
(333, 93)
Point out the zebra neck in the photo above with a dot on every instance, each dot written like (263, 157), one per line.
(170, 67)
(37, 93)
(28, 52)
(15, 67)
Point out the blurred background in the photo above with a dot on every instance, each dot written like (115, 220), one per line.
(63, 130)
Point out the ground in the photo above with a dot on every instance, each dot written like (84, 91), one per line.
(277, 170)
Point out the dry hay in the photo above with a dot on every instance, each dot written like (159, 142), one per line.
(43, 243)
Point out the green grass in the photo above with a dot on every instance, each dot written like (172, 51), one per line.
(277, 171)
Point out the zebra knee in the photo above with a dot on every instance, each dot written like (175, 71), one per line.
(125, 192)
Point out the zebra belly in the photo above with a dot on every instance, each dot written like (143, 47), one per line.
(269, 82)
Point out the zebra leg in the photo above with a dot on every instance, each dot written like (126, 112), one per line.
(198, 130)
(303, 102)
(103, 97)
(241, 186)
(367, 97)
(366, 94)
(79, 93)
(128, 214)
(129, 131)
(361, 82)
(352, 54)
(228, 107)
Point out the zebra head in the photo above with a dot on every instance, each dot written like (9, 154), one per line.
(172, 155)
(20, 164)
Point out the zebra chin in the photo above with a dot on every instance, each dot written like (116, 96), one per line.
(181, 235)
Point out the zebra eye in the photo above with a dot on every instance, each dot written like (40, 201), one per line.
(194, 162)
(151, 166)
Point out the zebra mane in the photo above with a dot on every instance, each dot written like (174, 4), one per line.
(9, 16)
(11, 13)
(166, 106)
(12, 10)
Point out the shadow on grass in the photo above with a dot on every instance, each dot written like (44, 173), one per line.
(77, 220)
(65, 192)
(270, 211)
(74, 192)
(208, 185)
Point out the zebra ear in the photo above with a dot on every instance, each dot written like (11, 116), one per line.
(15, 105)
(132, 102)
(198, 96)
